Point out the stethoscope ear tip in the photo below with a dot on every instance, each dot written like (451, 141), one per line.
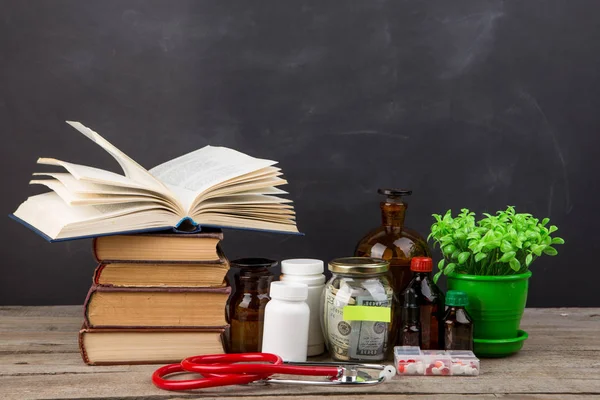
(387, 373)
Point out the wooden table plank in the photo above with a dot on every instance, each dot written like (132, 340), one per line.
(39, 360)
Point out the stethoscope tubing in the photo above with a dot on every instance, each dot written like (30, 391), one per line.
(220, 370)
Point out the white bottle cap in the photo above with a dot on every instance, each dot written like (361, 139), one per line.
(302, 266)
(288, 291)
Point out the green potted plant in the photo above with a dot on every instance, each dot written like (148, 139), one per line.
(489, 259)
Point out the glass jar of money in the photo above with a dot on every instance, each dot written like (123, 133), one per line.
(358, 309)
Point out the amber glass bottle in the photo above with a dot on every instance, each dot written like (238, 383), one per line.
(431, 303)
(410, 333)
(392, 241)
(458, 326)
(246, 306)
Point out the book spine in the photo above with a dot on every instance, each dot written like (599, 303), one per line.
(97, 273)
(95, 249)
(82, 350)
(88, 298)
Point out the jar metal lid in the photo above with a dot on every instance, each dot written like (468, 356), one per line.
(359, 266)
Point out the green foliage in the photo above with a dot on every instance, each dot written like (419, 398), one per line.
(502, 244)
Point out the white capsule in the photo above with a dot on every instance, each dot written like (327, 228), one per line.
(420, 368)
(458, 370)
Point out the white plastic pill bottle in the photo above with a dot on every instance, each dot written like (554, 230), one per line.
(310, 272)
(285, 329)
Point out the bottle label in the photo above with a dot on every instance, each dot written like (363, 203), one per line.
(366, 340)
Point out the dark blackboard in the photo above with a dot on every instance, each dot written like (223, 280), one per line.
(474, 104)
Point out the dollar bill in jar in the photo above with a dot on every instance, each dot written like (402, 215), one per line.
(362, 282)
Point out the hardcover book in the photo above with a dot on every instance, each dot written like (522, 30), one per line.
(160, 247)
(147, 345)
(172, 307)
(209, 187)
(146, 274)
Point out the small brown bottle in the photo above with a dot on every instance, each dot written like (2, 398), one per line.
(246, 305)
(392, 241)
(431, 303)
(458, 326)
(410, 333)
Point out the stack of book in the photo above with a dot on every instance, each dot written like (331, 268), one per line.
(156, 297)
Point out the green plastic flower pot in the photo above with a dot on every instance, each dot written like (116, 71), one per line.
(494, 348)
(496, 303)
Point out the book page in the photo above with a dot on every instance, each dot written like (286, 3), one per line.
(227, 221)
(270, 211)
(185, 196)
(51, 215)
(79, 199)
(132, 169)
(258, 175)
(102, 177)
(95, 175)
(244, 199)
(83, 186)
(201, 169)
(260, 190)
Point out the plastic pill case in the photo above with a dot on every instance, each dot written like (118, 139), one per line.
(411, 360)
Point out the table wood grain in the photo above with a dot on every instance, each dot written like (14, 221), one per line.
(39, 359)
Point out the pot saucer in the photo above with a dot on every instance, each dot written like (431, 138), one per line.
(495, 348)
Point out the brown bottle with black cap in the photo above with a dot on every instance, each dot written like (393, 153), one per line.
(392, 241)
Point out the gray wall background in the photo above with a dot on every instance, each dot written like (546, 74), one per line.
(474, 104)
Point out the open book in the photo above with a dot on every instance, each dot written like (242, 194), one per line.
(212, 187)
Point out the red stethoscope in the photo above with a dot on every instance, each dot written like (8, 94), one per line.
(241, 369)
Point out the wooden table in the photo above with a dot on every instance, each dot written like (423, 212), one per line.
(39, 359)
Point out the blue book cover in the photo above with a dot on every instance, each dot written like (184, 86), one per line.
(181, 228)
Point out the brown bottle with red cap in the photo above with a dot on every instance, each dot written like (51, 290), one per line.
(430, 300)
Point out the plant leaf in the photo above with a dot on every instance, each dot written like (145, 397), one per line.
(551, 251)
(558, 240)
(449, 249)
(441, 264)
(449, 268)
(528, 259)
(480, 256)
(537, 249)
(515, 264)
(460, 235)
(505, 247)
(463, 257)
(545, 221)
(552, 228)
(506, 257)
(436, 277)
